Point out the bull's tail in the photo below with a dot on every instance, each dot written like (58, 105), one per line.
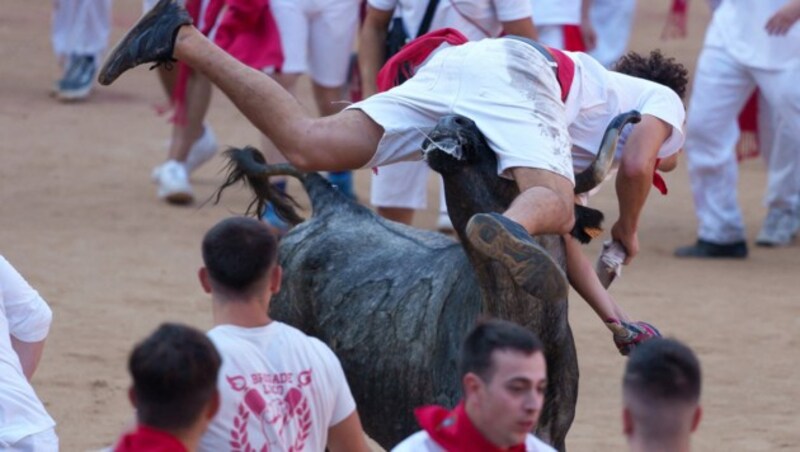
(588, 223)
(249, 166)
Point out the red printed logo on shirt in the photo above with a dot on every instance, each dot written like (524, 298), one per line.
(279, 408)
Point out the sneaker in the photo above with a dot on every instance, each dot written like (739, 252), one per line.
(343, 180)
(173, 183)
(152, 39)
(78, 78)
(443, 224)
(530, 265)
(709, 250)
(779, 228)
(628, 335)
(202, 150)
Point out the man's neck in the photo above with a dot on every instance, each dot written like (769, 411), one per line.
(643, 445)
(246, 313)
(475, 421)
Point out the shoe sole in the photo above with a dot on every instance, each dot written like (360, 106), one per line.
(531, 267)
(73, 94)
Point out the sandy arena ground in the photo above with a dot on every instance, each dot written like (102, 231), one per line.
(79, 218)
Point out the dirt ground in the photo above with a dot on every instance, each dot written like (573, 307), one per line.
(79, 218)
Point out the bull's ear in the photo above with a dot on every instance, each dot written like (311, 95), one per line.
(588, 223)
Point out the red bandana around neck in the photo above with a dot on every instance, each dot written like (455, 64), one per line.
(454, 432)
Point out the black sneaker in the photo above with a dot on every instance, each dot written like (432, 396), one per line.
(152, 39)
(78, 78)
(530, 265)
(710, 250)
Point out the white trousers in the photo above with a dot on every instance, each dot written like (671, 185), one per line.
(80, 27)
(722, 86)
(46, 441)
(612, 21)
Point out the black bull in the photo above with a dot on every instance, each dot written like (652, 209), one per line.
(394, 302)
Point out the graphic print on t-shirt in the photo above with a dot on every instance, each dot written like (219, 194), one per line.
(279, 408)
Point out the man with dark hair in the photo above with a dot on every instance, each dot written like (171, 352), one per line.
(174, 390)
(504, 375)
(280, 389)
(661, 396)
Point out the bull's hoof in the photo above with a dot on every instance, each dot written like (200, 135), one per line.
(531, 266)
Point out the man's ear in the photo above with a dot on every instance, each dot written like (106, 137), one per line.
(213, 405)
(627, 422)
(205, 280)
(471, 383)
(132, 396)
(275, 276)
(698, 414)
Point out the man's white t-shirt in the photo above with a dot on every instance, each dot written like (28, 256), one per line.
(279, 389)
(485, 16)
(598, 95)
(422, 442)
(556, 12)
(739, 27)
(26, 316)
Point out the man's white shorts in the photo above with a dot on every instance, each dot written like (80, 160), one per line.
(506, 86)
(46, 441)
(317, 37)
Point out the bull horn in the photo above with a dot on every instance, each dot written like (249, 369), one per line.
(248, 165)
(594, 175)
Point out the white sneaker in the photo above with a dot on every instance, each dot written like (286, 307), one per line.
(779, 228)
(202, 150)
(173, 182)
(443, 224)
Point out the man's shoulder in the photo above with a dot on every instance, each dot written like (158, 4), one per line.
(419, 441)
(534, 444)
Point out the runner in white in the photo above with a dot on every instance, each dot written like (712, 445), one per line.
(25, 320)
(743, 49)
(564, 24)
(612, 21)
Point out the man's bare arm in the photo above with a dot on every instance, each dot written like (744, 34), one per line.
(347, 435)
(30, 353)
(634, 178)
(371, 47)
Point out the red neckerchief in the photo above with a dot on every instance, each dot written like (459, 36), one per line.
(454, 432)
(659, 181)
(146, 439)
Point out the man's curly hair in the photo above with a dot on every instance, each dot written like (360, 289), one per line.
(657, 68)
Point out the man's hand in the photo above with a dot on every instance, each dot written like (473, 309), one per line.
(780, 23)
(628, 238)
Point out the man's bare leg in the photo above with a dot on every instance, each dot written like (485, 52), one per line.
(544, 206)
(347, 140)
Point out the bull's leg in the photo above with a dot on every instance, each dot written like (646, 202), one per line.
(562, 392)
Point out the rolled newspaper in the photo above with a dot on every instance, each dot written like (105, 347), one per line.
(609, 263)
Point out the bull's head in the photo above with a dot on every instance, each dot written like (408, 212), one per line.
(460, 153)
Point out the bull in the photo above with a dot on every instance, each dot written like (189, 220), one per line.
(394, 302)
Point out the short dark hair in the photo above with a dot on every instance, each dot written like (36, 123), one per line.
(490, 335)
(238, 253)
(663, 370)
(657, 68)
(174, 373)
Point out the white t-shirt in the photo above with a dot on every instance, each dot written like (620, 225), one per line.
(422, 442)
(738, 26)
(280, 390)
(598, 95)
(485, 16)
(556, 12)
(26, 316)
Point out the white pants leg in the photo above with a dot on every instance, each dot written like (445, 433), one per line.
(401, 185)
(81, 27)
(721, 88)
(46, 441)
(612, 20)
(779, 120)
(551, 35)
